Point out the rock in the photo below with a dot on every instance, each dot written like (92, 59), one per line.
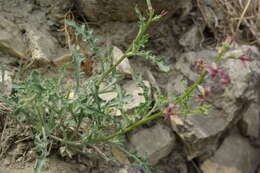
(130, 169)
(243, 76)
(133, 90)
(192, 38)
(5, 82)
(201, 133)
(154, 143)
(11, 39)
(122, 10)
(43, 46)
(176, 162)
(50, 3)
(124, 67)
(235, 155)
(64, 57)
(185, 61)
(250, 123)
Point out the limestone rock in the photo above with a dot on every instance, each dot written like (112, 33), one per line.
(121, 10)
(185, 61)
(201, 133)
(129, 169)
(64, 57)
(133, 90)
(153, 143)
(124, 67)
(244, 76)
(235, 155)
(250, 123)
(11, 39)
(43, 46)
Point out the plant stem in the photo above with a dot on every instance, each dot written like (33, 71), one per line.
(130, 50)
(152, 117)
(177, 101)
(137, 124)
(83, 142)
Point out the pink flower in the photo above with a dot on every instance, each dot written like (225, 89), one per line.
(205, 92)
(212, 69)
(224, 79)
(163, 13)
(169, 111)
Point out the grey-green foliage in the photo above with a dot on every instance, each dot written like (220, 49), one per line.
(73, 113)
(43, 102)
(76, 114)
(46, 106)
(139, 45)
(86, 35)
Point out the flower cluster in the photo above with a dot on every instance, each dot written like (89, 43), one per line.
(215, 72)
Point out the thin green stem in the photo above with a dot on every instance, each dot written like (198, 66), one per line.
(137, 124)
(66, 141)
(130, 50)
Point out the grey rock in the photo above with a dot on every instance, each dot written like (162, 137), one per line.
(250, 123)
(63, 57)
(131, 87)
(124, 67)
(235, 155)
(11, 39)
(176, 162)
(191, 39)
(121, 10)
(130, 169)
(154, 143)
(185, 61)
(134, 90)
(201, 133)
(243, 76)
(42, 45)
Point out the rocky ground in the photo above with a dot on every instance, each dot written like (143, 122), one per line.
(225, 141)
